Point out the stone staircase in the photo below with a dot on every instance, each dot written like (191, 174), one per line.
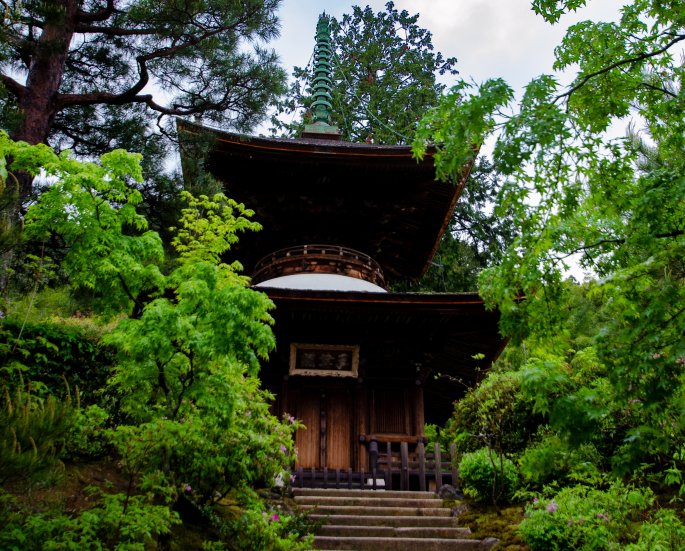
(385, 520)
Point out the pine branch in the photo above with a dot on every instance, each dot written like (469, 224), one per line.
(13, 86)
(99, 15)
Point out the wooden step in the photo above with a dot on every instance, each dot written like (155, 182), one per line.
(378, 511)
(330, 492)
(365, 501)
(402, 544)
(361, 520)
(394, 531)
(392, 521)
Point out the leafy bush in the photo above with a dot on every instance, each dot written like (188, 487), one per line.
(259, 526)
(579, 517)
(665, 533)
(552, 460)
(88, 437)
(47, 352)
(494, 413)
(118, 521)
(485, 475)
(32, 433)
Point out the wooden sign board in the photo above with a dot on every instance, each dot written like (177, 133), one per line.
(324, 360)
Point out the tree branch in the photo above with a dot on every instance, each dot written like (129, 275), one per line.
(111, 31)
(16, 89)
(641, 57)
(131, 95)
(616, 241)
(99, 15)
(658, 89)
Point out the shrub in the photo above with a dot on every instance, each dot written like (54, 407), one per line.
(116, 522)
(45, 353)
(32, 433)
(486, 475)
(261, 526)
(665, 533)
(579, 517)
(552, 460)
(496, 413)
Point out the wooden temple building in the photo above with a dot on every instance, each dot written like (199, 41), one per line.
(363, 368)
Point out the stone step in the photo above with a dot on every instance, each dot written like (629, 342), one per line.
(378, 510)
(401, 544)
(393, 531)
(368, 501)
(370, 520)
(362, 493)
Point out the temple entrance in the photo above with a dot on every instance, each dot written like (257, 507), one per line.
(327, 441)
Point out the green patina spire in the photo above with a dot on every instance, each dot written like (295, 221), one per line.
(321, 86)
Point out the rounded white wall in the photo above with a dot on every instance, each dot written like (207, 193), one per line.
(321, 282)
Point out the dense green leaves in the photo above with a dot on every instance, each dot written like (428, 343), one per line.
(190, 423)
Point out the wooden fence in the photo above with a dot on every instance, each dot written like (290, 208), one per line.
(422, 469)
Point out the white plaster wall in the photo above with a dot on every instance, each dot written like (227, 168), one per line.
(321, 282)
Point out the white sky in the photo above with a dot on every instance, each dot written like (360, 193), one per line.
(490, 38)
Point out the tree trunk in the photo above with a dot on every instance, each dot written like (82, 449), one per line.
(38, 103)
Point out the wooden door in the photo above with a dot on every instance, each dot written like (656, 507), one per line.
(328, 438)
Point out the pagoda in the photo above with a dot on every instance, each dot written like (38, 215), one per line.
(363, 368)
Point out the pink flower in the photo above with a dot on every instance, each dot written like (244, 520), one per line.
(551, 507)
(293, 478)
(274, 518)
(535, 500)
(284, 450)
(188, 488)
(291, 419)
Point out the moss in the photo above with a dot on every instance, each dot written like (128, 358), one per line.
(487, 522)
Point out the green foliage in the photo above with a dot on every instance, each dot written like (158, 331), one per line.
(384, 76)
(85, 70)
(495, 414)
(553, 462)
(666, 532)
(488, 476)
(475, 238)
(579, 517)
(458, 126)
(615, 205)
(118, 521)
(33, 432)
(260, 527)
(87, 437)
(92, 207)
(48, 352)
(189, 336)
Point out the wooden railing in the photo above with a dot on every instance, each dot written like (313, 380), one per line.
(398, 468)
(319, 259)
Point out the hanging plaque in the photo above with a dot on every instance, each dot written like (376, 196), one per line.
(324, 360)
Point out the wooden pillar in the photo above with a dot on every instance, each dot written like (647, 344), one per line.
(422, 466)
(408, 406)
(438, 467)
(362, 408)
(420, 414)
(404, 475)
(323, 431)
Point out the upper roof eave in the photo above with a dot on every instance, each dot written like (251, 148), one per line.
(304, 145)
